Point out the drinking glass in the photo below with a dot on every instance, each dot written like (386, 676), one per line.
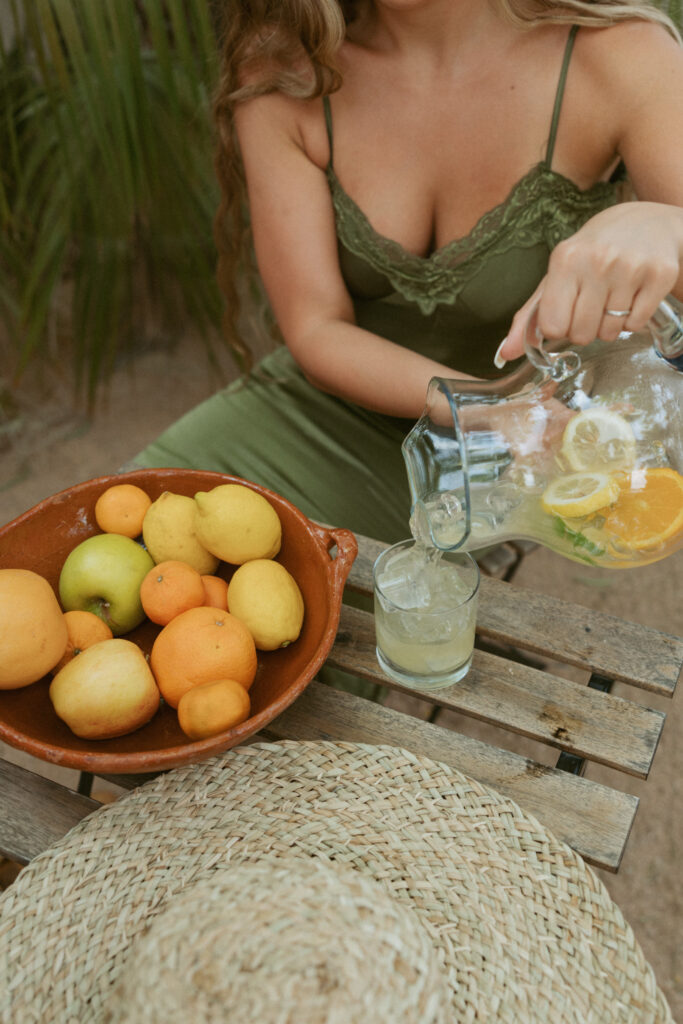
(425, 614)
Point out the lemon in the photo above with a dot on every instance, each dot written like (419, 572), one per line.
(579, 494)
(599, 439)
(168, 531)
(237, 523)
(266, 597)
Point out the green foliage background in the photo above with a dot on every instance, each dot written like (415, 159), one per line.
(107, 184)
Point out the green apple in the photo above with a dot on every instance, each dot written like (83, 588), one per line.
(103, 575)
(108, 690)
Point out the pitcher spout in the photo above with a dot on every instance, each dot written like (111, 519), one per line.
(445, 455)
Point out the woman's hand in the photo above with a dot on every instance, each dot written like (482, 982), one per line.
(608, 277)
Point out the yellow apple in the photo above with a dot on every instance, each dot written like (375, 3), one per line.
(108, 690)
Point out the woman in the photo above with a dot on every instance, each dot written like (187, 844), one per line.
(420, 173)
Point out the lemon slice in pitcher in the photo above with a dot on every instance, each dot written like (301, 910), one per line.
(599, 439)
(579, 494)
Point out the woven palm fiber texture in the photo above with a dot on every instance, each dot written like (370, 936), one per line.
(522, 929)
(288, 940)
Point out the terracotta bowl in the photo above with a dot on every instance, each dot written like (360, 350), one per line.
(40, 540)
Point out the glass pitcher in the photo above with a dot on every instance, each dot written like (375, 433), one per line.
(579, 451)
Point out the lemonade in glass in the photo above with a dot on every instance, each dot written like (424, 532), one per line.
(425, 614)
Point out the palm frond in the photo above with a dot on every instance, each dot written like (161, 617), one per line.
(108, 189)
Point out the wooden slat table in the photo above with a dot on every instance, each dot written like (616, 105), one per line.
(581, 722)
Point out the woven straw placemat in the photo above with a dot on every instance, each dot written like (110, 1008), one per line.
(522, 929)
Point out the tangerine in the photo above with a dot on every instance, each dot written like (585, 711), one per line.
(170, 588)
(199, 646)
(83, 630)
(212, 708)
(215, 592)
(649, 508)
(121, 509)
(33, 636)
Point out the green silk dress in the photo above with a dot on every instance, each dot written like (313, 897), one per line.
(340, 463)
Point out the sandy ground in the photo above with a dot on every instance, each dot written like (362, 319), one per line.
(49, 447)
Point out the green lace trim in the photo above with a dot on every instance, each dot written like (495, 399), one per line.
(543, 206)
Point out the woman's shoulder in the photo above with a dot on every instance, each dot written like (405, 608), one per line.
(627, 49)
(281, 117)
(627, 66)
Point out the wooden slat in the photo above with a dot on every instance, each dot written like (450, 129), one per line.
(593, 819)
(565, 715)
(560, 630)
(360, 576)
(130, 781)
(499, 561)
(35, 812)
(606, 644)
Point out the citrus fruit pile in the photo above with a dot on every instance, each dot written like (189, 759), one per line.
(164, 560)
(635, 508)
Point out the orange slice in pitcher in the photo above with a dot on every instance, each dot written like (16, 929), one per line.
(648, 510)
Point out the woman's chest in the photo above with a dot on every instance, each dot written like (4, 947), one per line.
(426, 164)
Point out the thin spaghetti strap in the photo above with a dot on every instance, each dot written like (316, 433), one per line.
(328, 122)
(559, 95)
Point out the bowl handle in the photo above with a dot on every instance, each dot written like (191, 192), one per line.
(347, 549)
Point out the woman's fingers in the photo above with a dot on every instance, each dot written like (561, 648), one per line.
(512, 346)
(614, 318)
(655, 287)
(607, 278)
(574, 297)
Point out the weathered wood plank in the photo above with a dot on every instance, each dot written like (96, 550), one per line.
(499, 560)
(593, 819)
(35, 812)
(560, 630)
(360, 575)
(566, 715)
(606, 644)
(130, 781)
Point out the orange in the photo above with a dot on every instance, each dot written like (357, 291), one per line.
(213, 707)
(33, 634)
(215, 592)
(200, 646)
(648, 510)
(83, 630)
(121, 509)
(170, 588)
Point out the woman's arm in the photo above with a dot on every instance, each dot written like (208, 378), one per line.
(628, 257)
(296, 248)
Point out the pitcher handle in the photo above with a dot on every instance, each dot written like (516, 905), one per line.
(665, 326)
(557, 365)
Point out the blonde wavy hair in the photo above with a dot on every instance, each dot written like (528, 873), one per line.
(290, 46)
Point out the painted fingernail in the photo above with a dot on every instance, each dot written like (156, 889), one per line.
(499, 361)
